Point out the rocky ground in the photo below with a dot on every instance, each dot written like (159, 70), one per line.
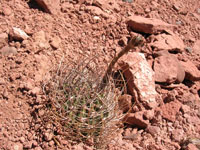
(34, 36)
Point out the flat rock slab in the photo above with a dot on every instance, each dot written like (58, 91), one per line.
(140, 77)
(148, 25)
(170, 42)
(168, 69)
(192, 73)
(49, 6)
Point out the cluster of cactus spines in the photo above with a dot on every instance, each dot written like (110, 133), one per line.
(85, 111)
(84, 102)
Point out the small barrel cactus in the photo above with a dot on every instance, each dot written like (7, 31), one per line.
(85, 101)
(86, 111)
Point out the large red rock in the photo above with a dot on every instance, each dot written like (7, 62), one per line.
(168, 69)
(49, 6)
(140, 77)
(191, 71)
(170, 42)
(169, 110)
(147, 25)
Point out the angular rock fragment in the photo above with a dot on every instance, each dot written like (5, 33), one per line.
(3, 39)
(96, 11)
(136, 119)
(55, 42)
(191, 71)
(169, 110)
(8, 50)
(148, 25)
(107, 4)
(18, 34)
(40, 40)
(153, 130)
(49, 6)
(170, 42)
(7, 11)
(140, 77)
(168, 69)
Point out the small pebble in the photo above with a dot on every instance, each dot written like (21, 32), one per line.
(198, 10)
(129, 1)
(178, 22)
(188, 49)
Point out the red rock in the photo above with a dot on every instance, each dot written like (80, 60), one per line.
(149, 114)
(168, 70)
(175, 145)
(191, 147)
(17, 146)
(28, 145)
(55, 42)
(97, 11)
(170, 42)
(177, 135)
(49, 6)
(124, 102)
(193, 120)
(169, 110)
(8, 50)
(78, 147)
(40, 40)
(48, 136)
(147, 25)
(35, 91)
(3, 39)
(191, 71)
(18, 34)
(181, 73)
(140, 76)
(196, 47)
(154, 147)
(161, 53)
(185, 108)
(38, 148)
(7, 11)
(66, 7)
(107, 5)
(153, 130)
(187, 97)
(136, 119)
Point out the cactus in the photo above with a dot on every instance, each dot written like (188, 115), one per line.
(85, 111)
(84, 102)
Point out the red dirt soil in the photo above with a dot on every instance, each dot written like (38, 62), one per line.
(75, 29)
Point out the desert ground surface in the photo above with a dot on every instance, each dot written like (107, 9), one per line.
(36, 34)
